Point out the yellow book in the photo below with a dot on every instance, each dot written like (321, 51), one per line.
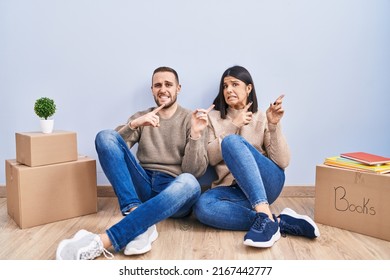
(354, 165)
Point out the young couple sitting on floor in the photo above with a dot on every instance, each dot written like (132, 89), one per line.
(175, 145)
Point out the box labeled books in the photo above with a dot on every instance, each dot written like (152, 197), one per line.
(49, 193)
(353, 200)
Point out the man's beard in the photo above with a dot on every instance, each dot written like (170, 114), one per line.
(167, 105)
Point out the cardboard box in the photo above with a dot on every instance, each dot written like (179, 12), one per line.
(45, 194)
(353, 200)
(37, 148)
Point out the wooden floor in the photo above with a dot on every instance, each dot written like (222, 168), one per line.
(187, 239)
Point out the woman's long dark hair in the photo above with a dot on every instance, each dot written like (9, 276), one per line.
(243, 75)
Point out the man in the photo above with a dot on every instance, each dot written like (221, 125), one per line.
(171, 153)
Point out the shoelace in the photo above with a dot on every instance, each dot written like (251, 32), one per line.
(292, 229)
(96, 250)
(107, 254)
(259, 224)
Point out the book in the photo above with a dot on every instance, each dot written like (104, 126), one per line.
(341, 162)
(366, 158)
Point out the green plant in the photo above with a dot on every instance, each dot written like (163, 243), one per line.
(44, 107)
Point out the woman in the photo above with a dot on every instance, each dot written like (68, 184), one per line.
(249, 153)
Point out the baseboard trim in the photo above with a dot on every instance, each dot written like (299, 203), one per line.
(288, 191)
(3, 192)
(298, 191)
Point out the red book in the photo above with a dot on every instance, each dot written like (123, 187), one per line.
(366, 158)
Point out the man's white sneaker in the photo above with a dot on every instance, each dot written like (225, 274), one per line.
(142, 243)
(84, 245)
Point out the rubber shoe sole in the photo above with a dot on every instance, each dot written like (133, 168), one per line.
(267, 244)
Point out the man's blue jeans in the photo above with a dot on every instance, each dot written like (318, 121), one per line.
(157, 195)
(258, 180)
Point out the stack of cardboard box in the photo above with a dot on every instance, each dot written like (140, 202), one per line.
(49, 181)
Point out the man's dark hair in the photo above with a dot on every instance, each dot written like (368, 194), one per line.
(167, 69)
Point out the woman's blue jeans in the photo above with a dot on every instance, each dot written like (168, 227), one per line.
(157, 195)
(258, 180)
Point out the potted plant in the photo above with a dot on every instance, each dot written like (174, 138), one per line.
(45, 108)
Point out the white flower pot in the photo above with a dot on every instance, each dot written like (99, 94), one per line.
(47, 126)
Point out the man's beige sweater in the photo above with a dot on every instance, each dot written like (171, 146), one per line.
(169, 147)
(265, 137)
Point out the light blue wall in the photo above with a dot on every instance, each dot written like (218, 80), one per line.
(95, 58)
